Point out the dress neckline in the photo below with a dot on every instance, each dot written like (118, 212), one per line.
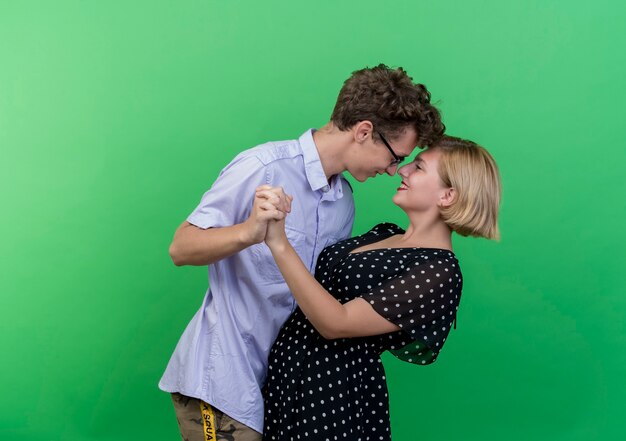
(399, 248)
(377, 238)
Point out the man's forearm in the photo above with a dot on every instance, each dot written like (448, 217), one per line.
(196, 246)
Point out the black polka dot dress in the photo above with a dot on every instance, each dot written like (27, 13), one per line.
(318, 389)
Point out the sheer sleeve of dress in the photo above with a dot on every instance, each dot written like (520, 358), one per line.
(422, 300)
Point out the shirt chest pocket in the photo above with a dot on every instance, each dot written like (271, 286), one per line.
(268, 272)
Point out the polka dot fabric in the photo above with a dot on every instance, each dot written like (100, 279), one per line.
(320, 389)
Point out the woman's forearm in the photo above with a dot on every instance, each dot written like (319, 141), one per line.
(324, 312)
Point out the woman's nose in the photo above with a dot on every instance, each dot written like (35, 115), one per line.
(404, 171)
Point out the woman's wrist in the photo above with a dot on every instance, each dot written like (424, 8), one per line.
(279, 246)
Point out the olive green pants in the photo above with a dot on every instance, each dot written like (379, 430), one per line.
(198, 421)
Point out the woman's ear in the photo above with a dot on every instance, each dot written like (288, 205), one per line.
(447, 198)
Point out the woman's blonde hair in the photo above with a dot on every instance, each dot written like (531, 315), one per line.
(472, 172)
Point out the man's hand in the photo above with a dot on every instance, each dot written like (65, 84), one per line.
(277, 196)
(274, 205)
(270, 203)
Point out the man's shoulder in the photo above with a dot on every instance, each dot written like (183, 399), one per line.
(257, 158)
(274, 151)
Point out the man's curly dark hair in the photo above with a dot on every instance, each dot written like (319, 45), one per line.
(390, 100)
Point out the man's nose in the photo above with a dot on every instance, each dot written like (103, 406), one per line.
(391, 170)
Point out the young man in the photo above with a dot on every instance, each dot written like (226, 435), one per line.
(219, 365)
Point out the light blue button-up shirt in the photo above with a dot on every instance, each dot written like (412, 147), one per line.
(221, 357)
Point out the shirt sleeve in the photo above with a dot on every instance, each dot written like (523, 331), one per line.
(229, 200)
(422, 300)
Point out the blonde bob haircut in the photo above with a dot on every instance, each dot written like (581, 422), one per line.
(471, 171)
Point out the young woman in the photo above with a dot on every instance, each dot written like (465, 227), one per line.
(388, 289)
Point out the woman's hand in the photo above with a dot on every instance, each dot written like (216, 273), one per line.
(274, 205)
(276, 238)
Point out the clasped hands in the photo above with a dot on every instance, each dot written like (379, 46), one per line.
(267, 218)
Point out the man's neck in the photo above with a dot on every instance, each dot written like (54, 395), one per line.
(331, 146)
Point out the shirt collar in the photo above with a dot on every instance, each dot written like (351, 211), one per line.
(312, 164)
(314, 170)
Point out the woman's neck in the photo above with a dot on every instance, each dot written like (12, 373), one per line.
(426, 233)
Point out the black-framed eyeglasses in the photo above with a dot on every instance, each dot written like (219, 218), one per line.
(396, 159)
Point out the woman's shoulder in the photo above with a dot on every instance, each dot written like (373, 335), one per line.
(434, 264)
(435, 257)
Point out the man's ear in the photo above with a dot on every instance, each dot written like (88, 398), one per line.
(447, 198)
(362, 130)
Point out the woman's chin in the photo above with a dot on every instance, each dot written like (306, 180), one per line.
(396, 198)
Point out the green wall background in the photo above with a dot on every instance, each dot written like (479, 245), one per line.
(116, 116)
